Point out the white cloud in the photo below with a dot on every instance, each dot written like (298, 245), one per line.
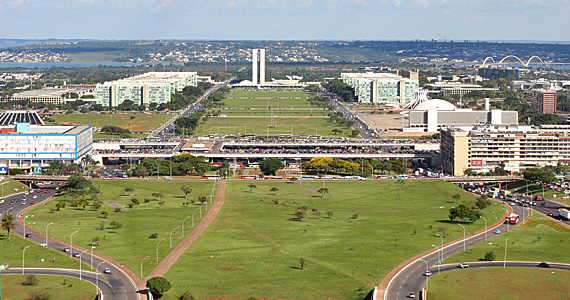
(231, 3)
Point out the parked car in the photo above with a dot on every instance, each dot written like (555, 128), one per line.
(543, 265)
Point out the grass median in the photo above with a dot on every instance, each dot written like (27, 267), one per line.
(500, 283)
(126, 236)
(18, 287)
(133, 122)
(257, 242)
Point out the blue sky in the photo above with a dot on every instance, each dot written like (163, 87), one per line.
(541, 20)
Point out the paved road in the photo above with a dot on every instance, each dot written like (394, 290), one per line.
(123, 288)
(411, 278)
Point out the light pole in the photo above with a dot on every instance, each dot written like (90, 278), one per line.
(437, 258)
(97, 276)
(47, 233)
(157, 248)
(441, 246)
(24, 219)
(5, 214)
(485, 227)
(71, 243)
(171, 235)
(23, 255)
(183, 225)
(199, 208)
(463, 236)
(427, 269)
(505, 261)
(80, 264)
(92, 246)
(141, 264)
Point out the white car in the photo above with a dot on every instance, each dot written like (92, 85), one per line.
(107, 271)
(427, 273)
(463, 266)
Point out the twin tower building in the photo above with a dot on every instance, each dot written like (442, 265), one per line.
(258, 63)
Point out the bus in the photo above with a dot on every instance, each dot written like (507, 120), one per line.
(211, 177)
(248, 177)
(272, 177)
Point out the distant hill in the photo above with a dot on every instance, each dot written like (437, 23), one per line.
(6, 43)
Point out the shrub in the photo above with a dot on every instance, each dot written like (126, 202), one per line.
(489, 256)
(40, 295)
(97, 204)
(135, 201)
(30, 280)
(117, 209)
(186, 296)
(147, 200)
(153, 235)
(130, 205)
(105, 213)
(354, 216)
(116, 225)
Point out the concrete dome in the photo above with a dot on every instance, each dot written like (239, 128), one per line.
(436, 104)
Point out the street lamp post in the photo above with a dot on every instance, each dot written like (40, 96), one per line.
(24, 219)
(441, 246)
(485, 227)
(437, 258)
(183, 225)
(157, 248)
(80, 264)
(97, 276)
(47, 233)
(23, 255)
(141, 264)
(92, 246)
(463, 236)
(427, 269)
(505, 261)
(171, 236)
(200, 208)
(71, 243)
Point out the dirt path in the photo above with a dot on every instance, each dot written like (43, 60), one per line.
(115, 205)
(173, 256)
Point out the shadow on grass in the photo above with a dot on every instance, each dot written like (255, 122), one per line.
(452, 222)
(296, 268)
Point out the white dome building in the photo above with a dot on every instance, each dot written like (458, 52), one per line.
(436, 104)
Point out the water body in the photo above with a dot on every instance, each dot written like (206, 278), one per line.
(47, 65)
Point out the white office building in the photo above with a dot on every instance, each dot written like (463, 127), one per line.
(381, 88)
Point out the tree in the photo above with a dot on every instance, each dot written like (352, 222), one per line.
(251, 187)
(8, 224)
(300, 214)
(270, 165)
(59, 205)
(186, 190)
(323, 191)
(116, 225)
(489, 256)
(83, 203)
(456, 197)
(330, 213)
(302, 262)
(202, 199)
(463, 213)
(536, 174)
(483, 202)
(157, 195)
(293, 179)
(274, 190)
(105, 213)
(317, 213)
(158, 286)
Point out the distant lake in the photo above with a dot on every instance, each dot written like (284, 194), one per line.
(47, 65)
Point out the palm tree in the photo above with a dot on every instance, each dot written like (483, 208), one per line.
(8, 224)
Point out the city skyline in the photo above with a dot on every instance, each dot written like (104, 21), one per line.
(287, 20)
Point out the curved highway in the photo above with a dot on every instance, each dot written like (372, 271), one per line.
(122, 287)
(411, 278)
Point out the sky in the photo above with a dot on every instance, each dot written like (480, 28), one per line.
(539, 20)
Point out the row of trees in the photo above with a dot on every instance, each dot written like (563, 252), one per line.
(183, 164)
(342, 89)
(321, 165)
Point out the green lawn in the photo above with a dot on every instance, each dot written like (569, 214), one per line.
(300, 125)
(131, 242)
(256, 244)
(12, 254)
(275, 104)
(500, 283)
(533, 243)
(266, 94)
(60, 287)
(281, 112)
(11, 186)
(140, 122)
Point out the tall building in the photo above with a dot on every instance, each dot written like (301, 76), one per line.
(381, 87)
(543, 102)
(483, 148)
(258, 63)
(33, 147)
(144, 89)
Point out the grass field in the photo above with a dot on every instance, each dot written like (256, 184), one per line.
(11, 186)
(499, 283)
(131, 242)
(281, 112)
(256, 244)
(140, 122)
(60, 287)
(538, 242)
(300, 125)
(267, 103)
(266, 94)
(12, 254)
